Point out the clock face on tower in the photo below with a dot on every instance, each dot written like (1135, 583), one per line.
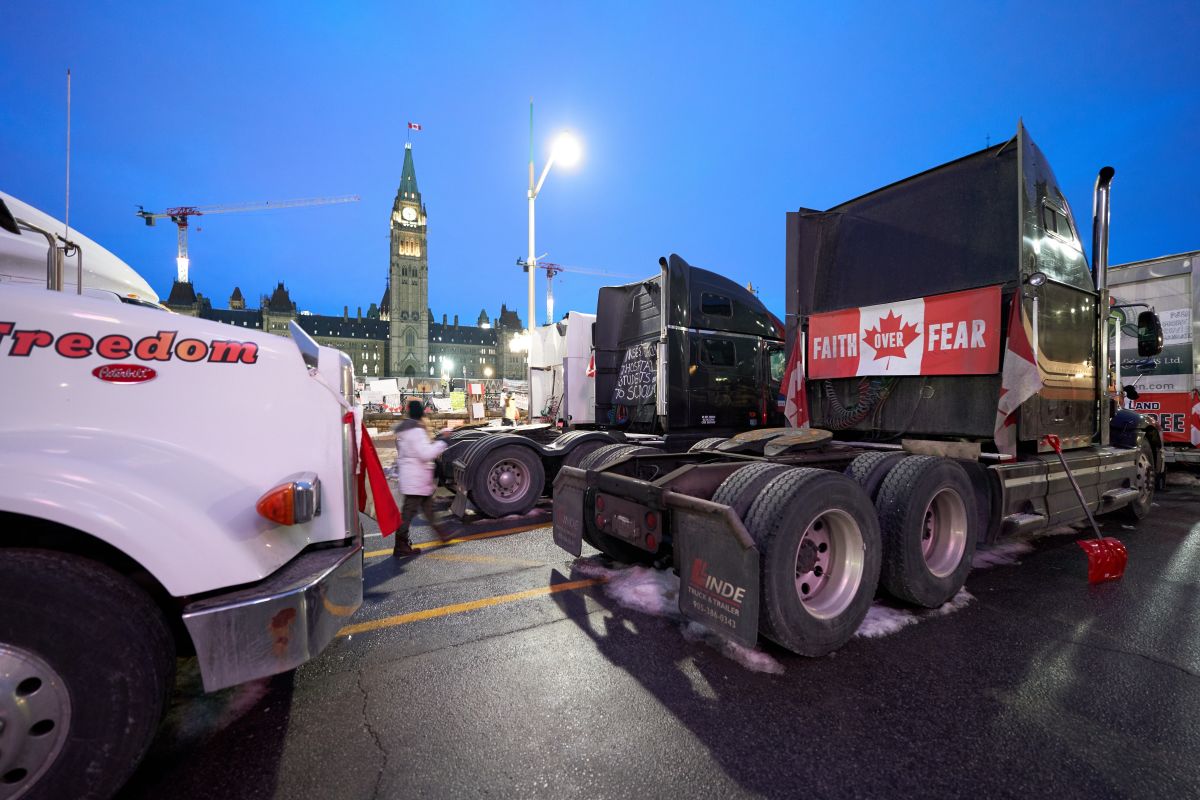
(409, 213)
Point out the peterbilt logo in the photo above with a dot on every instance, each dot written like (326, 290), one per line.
(125, 373)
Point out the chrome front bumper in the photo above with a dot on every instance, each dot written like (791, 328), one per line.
(278, 623)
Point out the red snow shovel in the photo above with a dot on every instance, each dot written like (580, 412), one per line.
(1106, 556)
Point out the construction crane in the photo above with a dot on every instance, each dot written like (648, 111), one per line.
(554, 269)
(181, 214)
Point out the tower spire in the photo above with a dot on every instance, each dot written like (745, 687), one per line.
(408, 175)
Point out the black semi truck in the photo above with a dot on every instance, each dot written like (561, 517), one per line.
(902, 301)
(683, 358)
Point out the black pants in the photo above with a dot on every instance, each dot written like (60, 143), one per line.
(414, 503)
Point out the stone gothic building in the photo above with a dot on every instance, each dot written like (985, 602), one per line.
(397, 338)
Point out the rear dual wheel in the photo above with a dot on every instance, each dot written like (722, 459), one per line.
(509, 481)
(928, 520)
(819, 546)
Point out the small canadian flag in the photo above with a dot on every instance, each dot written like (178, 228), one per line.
(1020, 380)
(795, 399)
(375, 497)
(414, 126)
(591, 367)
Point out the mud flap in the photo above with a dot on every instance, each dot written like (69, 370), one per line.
(458, 508)
(718, 566)
(568, 509)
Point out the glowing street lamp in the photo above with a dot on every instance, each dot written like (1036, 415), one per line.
(566, 151)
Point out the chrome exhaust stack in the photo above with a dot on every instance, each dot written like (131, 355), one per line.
(1100, 213)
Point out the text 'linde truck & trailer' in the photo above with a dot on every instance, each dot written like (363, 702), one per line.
(948, 323)
(168, 486)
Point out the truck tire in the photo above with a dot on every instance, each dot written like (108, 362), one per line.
(927, 517)
(739, 489)
(86, 665)
(706, 444)
(1144, 481)
(603, 456)
(582, 451)
(869, 469)
(818, 540)
(611, 546)
(509, 480)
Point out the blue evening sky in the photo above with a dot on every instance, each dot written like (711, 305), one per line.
(702, 124)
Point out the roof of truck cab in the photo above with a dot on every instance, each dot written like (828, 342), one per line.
(23, 258)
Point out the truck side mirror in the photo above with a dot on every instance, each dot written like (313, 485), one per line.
(1150, 335)
(310, 351)
(7, 221)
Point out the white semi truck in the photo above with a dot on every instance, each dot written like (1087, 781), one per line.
(168, 486)
(1165, 386)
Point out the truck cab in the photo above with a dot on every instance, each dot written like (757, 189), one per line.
(168, 486)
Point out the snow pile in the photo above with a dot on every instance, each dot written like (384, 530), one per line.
(883, 619)
(656, 592)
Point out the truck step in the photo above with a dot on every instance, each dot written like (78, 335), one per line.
(1021, 523)
(1118, 496)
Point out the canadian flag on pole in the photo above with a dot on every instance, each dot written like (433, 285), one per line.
(374, 495)
(414, 126)
(795, 401)
(1021, 379)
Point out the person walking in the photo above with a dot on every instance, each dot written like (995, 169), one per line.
(510, 410)
(414, 452)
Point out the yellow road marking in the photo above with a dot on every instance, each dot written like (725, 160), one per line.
(485, 559)
(458, 608)
(473, 537)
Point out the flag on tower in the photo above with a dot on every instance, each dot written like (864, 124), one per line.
(414, 126)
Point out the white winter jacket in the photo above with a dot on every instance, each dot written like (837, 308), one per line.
(414, 456)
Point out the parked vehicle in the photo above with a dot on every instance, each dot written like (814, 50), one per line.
(680, 357)
(1165, 388)
(155, 500)
(917, 307)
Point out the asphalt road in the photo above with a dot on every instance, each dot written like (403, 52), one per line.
(524, 678)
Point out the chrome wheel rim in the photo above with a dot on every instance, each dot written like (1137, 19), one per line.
(35, 716)
(507, 479)
(829, 564)
(944, 532)
(1142, 479)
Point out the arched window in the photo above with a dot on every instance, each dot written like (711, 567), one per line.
(410, 339)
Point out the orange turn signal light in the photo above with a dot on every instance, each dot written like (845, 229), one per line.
(295, 501)
(279, 504)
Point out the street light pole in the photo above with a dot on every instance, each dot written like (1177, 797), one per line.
(566, 151)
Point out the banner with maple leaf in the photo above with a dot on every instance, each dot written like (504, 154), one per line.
(949, 334)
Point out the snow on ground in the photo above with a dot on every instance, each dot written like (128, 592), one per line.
(884, 619)
(656, 592)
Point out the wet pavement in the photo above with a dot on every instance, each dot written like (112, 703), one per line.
(494, 667)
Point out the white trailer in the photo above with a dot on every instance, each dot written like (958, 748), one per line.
(156, 499)
(562, 391)
(1167, 393)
